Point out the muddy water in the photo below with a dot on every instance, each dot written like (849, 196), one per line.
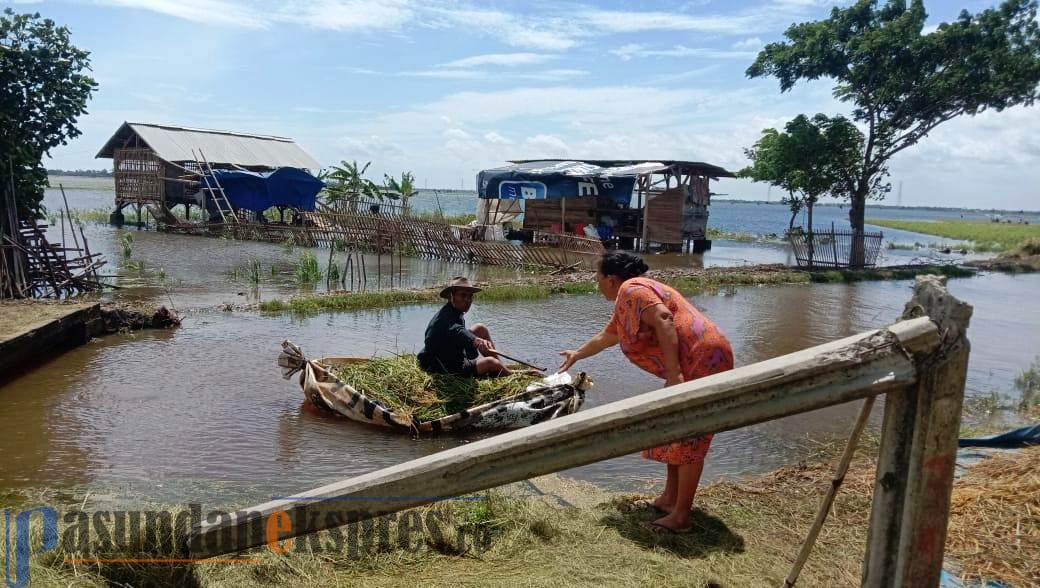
(202, 411)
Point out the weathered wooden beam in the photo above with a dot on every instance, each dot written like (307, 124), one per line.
(909, 517)
(855, 367)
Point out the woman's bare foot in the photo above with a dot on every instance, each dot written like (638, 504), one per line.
(673, 523)
(663, 504)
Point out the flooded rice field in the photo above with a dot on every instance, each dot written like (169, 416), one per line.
(202, 411)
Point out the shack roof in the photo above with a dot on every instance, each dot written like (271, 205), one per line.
(175, 144)
(643, 165)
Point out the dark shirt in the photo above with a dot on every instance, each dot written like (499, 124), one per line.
(448, 343)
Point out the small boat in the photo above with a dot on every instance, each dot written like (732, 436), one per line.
(552, 397)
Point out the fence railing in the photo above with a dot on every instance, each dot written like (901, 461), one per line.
(919, 363)
(832, 247)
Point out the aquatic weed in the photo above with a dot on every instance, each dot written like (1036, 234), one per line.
(307, 269)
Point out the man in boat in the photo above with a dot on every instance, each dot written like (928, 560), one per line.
(450, 347)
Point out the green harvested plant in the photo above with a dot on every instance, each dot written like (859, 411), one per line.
(401, 386)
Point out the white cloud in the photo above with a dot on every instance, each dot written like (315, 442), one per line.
(457, 133)
(617, 21)
(545, 146)
(348, 15)
(217, 12)
(493, 137)
(447, 74)
(627, 52)
(550, 75)
(505, 59)
(751, 43)
(534, 34)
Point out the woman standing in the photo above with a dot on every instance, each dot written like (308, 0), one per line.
(662, 333)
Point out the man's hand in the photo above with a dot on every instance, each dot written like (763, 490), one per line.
(569, 357)
(483, 346)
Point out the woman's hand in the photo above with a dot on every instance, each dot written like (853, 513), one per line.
(569, 357)
(673, 380)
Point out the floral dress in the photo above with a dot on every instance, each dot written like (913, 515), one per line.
(703, 350)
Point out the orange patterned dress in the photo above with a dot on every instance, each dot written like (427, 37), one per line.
(703, 350)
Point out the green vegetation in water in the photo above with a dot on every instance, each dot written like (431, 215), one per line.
(307, 269)
(332, 274)
(1028, 385)
(289, 244)
(985, 235)
(739, 236)
(438, 216)
(255, 271)
(399, 385)
(1027, 248)
(127, 243)
(346, 301)
(880, 274)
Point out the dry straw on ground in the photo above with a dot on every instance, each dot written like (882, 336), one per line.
(995, 519)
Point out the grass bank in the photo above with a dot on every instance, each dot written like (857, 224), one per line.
(891, 273)
(986, 236)
(746, 533)
(689, 283)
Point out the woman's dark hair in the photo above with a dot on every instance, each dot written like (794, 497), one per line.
(622, 264)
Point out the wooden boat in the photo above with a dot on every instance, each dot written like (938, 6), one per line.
(555, 396)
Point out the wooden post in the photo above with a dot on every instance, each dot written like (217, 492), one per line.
(841, 371)
(914, 481)
(645, 198)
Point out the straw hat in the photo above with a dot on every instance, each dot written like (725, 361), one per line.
(459, 282)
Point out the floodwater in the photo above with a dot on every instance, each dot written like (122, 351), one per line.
(201, 412)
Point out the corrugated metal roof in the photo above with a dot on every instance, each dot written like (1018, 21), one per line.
(172, 143)
(695, 166)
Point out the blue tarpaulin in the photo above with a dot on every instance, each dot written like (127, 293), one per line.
(551, 180)
(258, 191)
(1021, 437)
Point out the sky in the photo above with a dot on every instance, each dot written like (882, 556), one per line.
(445, 88)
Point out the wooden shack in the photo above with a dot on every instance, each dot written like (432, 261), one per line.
(666, 206)
(157, 164)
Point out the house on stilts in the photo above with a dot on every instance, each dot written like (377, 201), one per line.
(629, 204)
(158, 167)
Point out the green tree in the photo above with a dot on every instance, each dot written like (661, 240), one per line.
(347, 183)
(43, 90)
(405, 188)
(901, 83)
(811, 159)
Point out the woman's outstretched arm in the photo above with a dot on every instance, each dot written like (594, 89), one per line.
(602, 340)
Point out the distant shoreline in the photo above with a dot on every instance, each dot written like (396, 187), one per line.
(94, 181)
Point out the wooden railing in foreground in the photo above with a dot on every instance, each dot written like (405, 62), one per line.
(919, 362)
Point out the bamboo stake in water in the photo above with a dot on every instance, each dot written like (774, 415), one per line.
(828, 499)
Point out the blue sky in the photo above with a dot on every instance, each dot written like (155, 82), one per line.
(445, 88)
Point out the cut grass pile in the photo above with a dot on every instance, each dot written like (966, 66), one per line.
(986, 236)
(398, 384)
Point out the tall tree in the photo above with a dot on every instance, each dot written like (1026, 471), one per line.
(44, 88)
(902, 83)
(811, 159)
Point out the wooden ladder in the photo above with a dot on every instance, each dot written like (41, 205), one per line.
(227, 212)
